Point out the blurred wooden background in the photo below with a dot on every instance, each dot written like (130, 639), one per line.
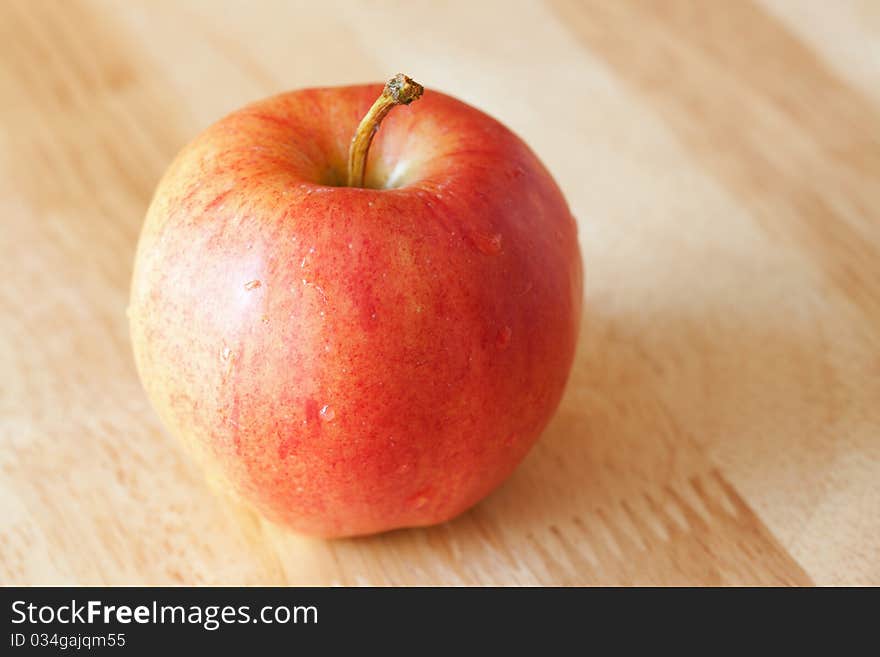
(722, 425)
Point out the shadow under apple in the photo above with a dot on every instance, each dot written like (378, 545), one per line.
(627, 472)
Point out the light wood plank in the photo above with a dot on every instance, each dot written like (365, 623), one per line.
(721, 425)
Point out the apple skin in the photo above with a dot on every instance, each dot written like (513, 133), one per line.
(353, 360)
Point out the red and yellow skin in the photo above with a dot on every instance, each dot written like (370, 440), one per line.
(352, 360)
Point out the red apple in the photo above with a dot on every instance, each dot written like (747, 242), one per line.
(352, 359)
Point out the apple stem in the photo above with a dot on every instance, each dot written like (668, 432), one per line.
(399, 90)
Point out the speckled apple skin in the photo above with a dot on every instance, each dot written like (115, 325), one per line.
(356, 360)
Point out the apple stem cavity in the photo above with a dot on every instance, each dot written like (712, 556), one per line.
(399, 90)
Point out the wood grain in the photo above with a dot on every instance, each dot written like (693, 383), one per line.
(722, 423)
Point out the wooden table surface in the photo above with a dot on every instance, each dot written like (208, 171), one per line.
(722, 423)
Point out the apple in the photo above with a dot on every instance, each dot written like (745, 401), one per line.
(356, 335)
